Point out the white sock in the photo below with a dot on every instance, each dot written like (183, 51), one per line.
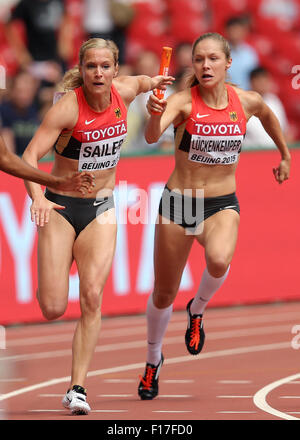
(157, 323)
(208, 287)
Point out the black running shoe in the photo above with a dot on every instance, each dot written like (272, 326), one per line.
(194, 336)
(148, 387)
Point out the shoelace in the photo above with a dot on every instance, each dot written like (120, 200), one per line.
(195, 332)
(147, 382)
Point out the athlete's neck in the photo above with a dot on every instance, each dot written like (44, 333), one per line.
(97, 101)
(216, 97)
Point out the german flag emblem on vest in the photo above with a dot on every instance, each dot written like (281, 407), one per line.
(233, 116)
(118, 112)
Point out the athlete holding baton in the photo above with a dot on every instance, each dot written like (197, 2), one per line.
(210, 122)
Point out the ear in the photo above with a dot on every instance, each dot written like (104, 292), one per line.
(228, 64)
(116, 70)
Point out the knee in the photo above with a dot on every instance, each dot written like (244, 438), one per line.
(218, 265)
(51, 309)
(90, 300)
(163, 298)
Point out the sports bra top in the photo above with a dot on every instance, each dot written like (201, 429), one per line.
(212, 136)
(96, 139)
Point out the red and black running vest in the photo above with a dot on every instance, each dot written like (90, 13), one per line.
(97, 137)
(211, 136)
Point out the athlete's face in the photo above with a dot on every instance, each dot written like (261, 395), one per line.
(98, 70)
(210, 63)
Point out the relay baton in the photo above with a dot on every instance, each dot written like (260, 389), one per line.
(163, 70)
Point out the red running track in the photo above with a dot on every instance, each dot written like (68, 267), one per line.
(248, 370)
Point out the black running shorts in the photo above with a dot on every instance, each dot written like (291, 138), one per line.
(79, 212)
(190, 212)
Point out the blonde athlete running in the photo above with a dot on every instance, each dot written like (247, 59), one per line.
(12, 164)
(210, 122)
(87, 127)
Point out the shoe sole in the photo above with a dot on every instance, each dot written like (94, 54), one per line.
(76, 410)
(79, 412)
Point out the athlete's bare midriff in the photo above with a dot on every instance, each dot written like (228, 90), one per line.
(215, 180)
(104, 179)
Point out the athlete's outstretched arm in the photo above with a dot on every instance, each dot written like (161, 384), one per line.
(272, 126)
(12, 164)
(131, 86)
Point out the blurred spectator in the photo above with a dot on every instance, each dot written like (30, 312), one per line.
(244, 56)
(183, 57)
(286, 13)
(43, 42)
(19, 116)
(181, 80)
(147, 63)
(256, 136)
(108, 19)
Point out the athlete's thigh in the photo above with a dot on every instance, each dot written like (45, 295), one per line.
(55, 244)
(94, 250)
(171, 249)
(220, 233)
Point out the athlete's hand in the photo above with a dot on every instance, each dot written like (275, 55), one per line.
(155, 105)
(282, 172)
(40, 210)
(161, 81)
(82, 182)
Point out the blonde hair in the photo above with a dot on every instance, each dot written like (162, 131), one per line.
(192, 80)
(72, 78)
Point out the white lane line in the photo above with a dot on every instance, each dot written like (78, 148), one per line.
(235, 397)
(115, 395)
(17, 379)
(141, 365)
(178, 381)
(141, 344)
(119, 380)
(109, 410)
(46, 410)
(232, 382)
(289, 397)
(172, 381)
(93, 410)
(172, 412)
(236, 412)
(259, 398)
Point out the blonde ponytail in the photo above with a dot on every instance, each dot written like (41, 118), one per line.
(72, 79)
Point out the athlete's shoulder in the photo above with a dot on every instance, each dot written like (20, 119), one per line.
(246, 95)
(64, 112)
(181, 97)
(251, 101)
(126, 87)
(62, 99)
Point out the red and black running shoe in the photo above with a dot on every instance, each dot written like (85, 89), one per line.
(148, 387)
(194, 336)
